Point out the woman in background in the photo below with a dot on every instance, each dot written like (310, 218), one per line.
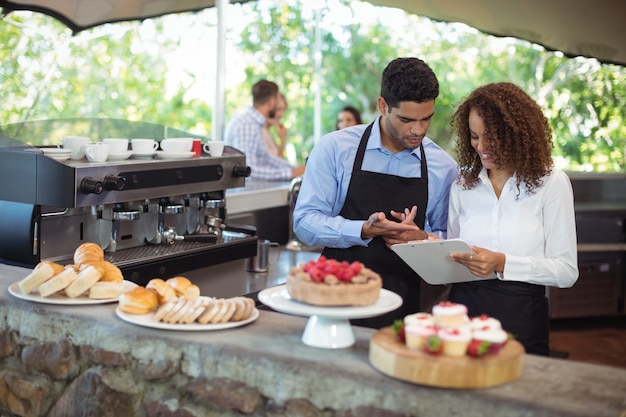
(348, 116)
(514, 209)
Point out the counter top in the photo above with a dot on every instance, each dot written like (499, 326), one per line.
(269, 357)
(257, 195)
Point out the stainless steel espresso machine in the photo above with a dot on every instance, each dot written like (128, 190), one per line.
(153, 217)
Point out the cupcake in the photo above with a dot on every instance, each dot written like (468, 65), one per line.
(455, 340)
(496, 338)
(423, 319)
(416, 335)
(484, 322)
(449, 314)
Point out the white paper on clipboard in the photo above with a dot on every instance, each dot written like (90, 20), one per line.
(430, 259)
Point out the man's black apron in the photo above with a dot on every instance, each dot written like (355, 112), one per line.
(371, 192)
(521, 307)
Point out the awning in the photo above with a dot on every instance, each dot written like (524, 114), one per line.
(595, 29)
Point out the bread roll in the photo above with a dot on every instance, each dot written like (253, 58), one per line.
(164, 292)
(139, 300)
(103, 290)
(85, 280)
(40, 274)
(57, 268)
(57, 283)
(111, 273)
(184, 287)
(88, 253)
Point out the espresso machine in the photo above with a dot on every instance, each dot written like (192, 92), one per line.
(153, 217)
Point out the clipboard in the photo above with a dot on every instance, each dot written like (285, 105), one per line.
(431, 261)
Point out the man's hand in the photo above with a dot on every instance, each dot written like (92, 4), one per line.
(407, 218)
(378, 225)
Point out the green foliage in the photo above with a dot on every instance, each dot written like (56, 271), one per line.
(48, 73)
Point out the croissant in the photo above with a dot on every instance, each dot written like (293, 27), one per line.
(88, 253)
(111, 273)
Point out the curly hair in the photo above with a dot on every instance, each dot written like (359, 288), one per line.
(408, 79)
(516, 129)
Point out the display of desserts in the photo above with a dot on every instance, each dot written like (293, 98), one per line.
(448, 331)
(328, 282)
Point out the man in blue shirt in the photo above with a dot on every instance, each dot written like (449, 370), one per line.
(368, 186)
(245, 132)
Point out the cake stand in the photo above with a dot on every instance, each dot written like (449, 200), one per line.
(328, 327)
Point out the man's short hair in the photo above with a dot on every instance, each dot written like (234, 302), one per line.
(262, 91)
(408, 79)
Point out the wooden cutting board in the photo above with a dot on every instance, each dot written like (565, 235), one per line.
(393, 358)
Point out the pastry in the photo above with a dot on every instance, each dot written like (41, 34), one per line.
(40, 274)
(333, 283)
(449, 314)
(139, 300)
(455, 340)
(57, 283)
(184, 287)
(103, 290)
(88, 253)
(416, 334)
(163, 291)
(84, 280)
(111, 273)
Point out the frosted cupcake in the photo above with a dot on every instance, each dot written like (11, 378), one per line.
(455, 340)
(449, 314)
(484, 322)
(422, 319)
(496, 337)
(416, 335)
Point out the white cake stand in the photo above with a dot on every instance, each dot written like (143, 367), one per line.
(328, 327)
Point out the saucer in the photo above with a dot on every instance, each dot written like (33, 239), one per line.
(119, 156)
(143, 154)
(176, 155)
(57, 153)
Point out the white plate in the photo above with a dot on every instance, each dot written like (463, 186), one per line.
(59, 298)
(57, 153)
(175, 155)
(147, 320)
(119, 156)
(143, 154)
(278, 298)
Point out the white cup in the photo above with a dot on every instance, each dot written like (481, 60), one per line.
(144, 146)
(116, 145)
(177, 145)
(97, 152)
(214, 147)
(76, 144)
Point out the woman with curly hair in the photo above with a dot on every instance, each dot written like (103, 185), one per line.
(514, 209)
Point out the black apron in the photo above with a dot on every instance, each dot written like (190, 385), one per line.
(371, 192)
(521, 307)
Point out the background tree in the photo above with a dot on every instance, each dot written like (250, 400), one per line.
(47, 73)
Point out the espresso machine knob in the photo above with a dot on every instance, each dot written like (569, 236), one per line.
(241, 171)
(113, 182)
(90, 186)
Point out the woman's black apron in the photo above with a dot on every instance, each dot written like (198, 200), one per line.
(521, 307)
(371, 192)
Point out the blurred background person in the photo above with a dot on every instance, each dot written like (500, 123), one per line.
(348, 116)
(245, 132)
(276, 144)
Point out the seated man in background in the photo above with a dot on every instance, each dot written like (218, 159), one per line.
(245, 132)
(276, 146)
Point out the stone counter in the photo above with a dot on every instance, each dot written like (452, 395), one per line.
(84, 361)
